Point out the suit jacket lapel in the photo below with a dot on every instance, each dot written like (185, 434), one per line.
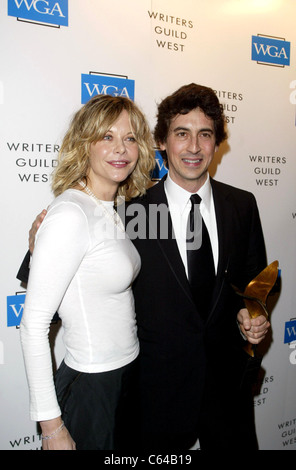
(168, 245)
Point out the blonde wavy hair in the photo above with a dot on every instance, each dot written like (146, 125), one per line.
(89, 125)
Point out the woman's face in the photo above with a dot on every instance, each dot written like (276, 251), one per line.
(113, 158)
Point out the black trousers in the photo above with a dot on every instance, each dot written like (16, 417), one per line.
(98, 409)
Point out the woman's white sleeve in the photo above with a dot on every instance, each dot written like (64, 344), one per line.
(61, 244)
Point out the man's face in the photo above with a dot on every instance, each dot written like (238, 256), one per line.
(190, 148)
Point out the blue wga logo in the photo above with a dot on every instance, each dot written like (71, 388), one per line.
(290, 331)
(98, 84)
(160, 169)
(269, 50)
(15, 308)
(50, 12)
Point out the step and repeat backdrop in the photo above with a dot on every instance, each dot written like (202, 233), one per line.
(56, 54)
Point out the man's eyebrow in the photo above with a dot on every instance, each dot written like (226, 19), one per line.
(182, 128)
(207, 129)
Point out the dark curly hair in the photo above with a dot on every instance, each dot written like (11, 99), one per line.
(184, 100)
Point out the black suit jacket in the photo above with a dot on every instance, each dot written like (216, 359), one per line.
(191, 369)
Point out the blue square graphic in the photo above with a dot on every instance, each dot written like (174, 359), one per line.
(15, 308)
(51, 11)
(96, 84)
(269, 50)
(160, 169)
(290, 331)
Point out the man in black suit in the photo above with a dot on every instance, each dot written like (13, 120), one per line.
(191, 358)
(192, 361)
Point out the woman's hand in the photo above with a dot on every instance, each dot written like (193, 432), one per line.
(55, 435)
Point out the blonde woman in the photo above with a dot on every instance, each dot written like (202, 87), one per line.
(83, 266)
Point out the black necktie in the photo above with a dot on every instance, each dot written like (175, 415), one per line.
(201, 270)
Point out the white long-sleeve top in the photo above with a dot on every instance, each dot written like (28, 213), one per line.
(83, 266)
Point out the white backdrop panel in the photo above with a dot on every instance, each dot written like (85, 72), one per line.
(160, 45)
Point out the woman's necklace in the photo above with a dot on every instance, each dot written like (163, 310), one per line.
(114, 217)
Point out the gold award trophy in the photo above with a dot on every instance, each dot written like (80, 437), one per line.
(255, 295)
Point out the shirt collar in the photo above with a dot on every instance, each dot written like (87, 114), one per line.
(179, 196)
